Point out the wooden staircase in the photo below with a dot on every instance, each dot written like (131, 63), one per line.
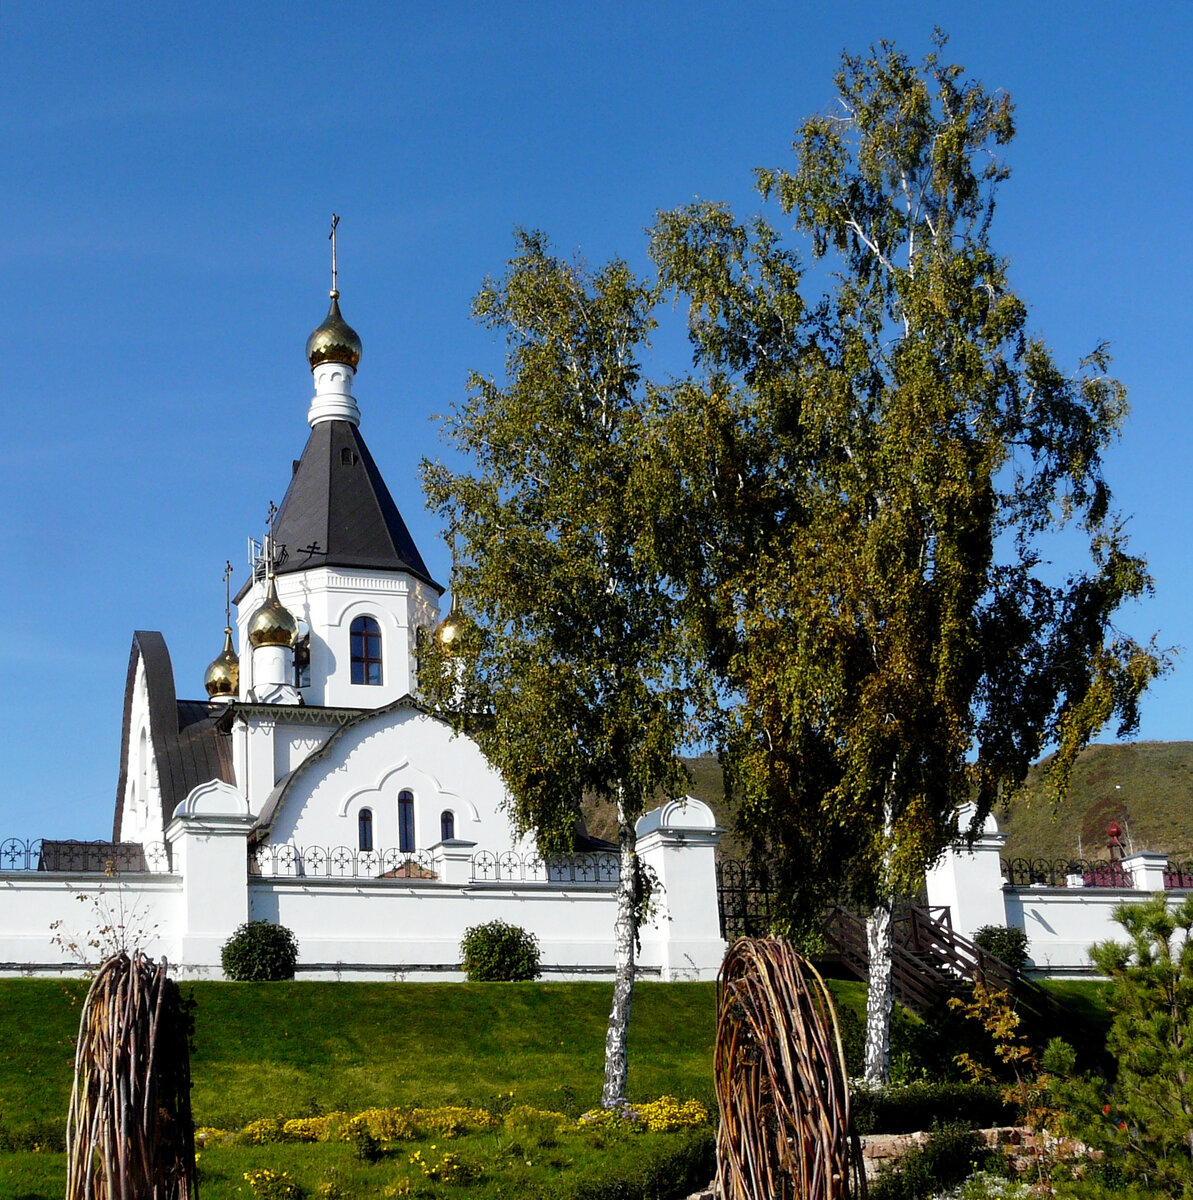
(931, 963)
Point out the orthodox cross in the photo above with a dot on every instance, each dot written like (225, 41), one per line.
(269, 521)
(228, 594)
(335, 220)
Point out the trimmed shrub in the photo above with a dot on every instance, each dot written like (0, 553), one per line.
(925, 1104)
(1008, 944)
(260, 952)
(499, 952)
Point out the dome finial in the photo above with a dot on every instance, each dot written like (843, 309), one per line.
(335, 340)
(223, 673)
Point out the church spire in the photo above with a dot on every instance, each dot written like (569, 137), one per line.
(333, 350)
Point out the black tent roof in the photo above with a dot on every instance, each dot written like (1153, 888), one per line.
(338, 502)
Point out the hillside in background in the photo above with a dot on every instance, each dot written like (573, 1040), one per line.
(1147, 787)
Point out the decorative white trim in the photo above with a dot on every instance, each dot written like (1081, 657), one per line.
(213, 799)
(384, 779)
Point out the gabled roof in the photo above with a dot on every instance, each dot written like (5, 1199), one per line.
(189, 744)
(338, 501)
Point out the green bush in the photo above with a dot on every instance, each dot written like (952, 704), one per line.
(499, 952)
(925, 1104)
(949, 1156)
(1003, 942)
(259, 952)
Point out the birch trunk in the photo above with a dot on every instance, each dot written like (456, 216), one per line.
(617, 1036)
(879, 993)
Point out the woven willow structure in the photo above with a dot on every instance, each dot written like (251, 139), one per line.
(129, 1134)
(780, 1079)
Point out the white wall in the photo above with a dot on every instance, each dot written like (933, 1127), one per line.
(367, 928)
(1061, 923)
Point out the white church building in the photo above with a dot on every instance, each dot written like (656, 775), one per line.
(310, 788)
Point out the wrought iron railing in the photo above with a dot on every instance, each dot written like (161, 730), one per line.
(288, 861)
(340, 862)
(90, 858)
(1066, 873)
(1178, 874)
(512, 867)
(745, 899)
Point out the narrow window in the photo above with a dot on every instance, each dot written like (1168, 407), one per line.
(302, 663)
(447, 825)
(364, 828)
(366, 651)
(405, 822)
(347, 457)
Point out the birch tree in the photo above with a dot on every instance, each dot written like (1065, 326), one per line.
(873, 462)
(574, 655)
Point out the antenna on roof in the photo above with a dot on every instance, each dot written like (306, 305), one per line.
(335, 288)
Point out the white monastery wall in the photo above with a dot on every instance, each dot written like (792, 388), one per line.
(1061, 923)
(360, 928)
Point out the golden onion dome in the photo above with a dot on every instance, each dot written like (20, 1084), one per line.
(451, 629)
(272, 624)
(223, 676)
(335, 340)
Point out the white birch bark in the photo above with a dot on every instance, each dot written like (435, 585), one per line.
(880, 945)
(617, 1035)
(879, 993)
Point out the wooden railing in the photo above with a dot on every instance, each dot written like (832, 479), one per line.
(931, 963)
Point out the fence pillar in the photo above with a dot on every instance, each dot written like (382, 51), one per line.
(1147, 870)
(969, 881)
(452, 860)
(209, 840)
(678, 843)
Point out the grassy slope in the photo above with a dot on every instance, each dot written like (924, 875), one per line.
(265, 1049)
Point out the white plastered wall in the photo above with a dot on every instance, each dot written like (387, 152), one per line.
(371, 762)
(327, 600)
(141, 806)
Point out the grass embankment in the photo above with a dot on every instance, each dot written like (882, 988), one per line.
(291, 1049)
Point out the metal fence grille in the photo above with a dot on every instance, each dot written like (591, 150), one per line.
(745, 899)
(1066, 873)
(486, 866)
(84, 858)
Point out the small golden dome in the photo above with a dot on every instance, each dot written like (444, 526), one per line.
(451, 629)
(223, 676)
(272, 624)
(335, 340)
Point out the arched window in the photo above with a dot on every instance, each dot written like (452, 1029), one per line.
(447, 825)
(405, 821)
(366, 651)
(364, 829)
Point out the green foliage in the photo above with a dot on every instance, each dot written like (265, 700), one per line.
(499, 952)
(1144, 1124)
(1004, 942)
(867, 478)
(949, 1156)
(260, 952)
(925, 1103)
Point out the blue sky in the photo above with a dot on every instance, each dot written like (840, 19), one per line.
(169, 174)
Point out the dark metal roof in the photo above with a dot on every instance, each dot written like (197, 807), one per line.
(338, 501)
(189, 745)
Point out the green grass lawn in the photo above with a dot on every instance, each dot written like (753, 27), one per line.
(265, 1049)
